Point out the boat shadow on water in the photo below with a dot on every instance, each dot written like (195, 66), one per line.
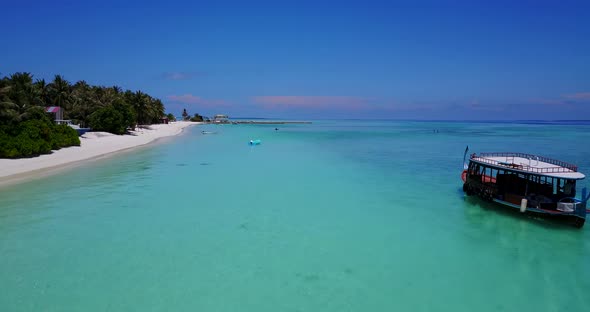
(484, 208)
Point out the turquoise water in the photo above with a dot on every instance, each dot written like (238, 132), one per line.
(333, 216)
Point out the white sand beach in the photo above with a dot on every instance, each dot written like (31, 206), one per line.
(92, 145)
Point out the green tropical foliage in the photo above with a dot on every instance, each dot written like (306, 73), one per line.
(18, 97)
(22, 103)
(38, 135)
(197, 118)
(19, 93)
(114, 118)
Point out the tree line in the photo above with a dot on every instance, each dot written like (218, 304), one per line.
(19, 94)
(26, 130)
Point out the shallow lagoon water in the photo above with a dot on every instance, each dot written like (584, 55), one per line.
(333, 216)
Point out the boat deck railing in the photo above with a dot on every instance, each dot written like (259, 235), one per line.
(562, 167)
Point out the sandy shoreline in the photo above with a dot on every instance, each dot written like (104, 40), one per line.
(92, 145)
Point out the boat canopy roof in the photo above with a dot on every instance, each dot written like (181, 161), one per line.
(527, 163)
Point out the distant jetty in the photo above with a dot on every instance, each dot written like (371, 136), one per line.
(224, 119)
(267, 122)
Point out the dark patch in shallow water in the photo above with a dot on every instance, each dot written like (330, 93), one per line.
(204, 164)
(308, 277)
(181, 165)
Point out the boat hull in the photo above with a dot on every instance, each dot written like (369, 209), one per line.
(575, 218)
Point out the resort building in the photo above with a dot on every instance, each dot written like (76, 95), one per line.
(220, 119)
(57, 112)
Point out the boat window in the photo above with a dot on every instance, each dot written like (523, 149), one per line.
(490, 172)
(569, 189)
(483, 170)
(546, 180)
(479, 169)
(494, 173)
(473, 168)
(559, 187)
(538, 185)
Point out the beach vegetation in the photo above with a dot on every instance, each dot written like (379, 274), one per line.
(35, 136)
(197, 118)
(171, 117)
(19, 93)
(27, 130)
(115, 118)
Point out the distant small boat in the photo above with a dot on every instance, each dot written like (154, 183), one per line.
(208, 132)
(255, 142)
(526, 182)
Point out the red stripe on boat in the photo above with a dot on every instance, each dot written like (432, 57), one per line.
(484, 178)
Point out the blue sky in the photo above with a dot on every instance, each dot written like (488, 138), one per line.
(299, 59)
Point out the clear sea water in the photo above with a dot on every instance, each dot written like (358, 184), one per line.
(333, 216)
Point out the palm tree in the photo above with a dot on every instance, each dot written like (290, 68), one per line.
(60, 94)
(7, 107)
(82, 84)
(43, 90)
(83, 102)
(140, 102)
(21, 97)
(104, 96)
(117, 90)
(157, 110)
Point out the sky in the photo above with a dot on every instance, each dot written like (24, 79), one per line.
(441, 60)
